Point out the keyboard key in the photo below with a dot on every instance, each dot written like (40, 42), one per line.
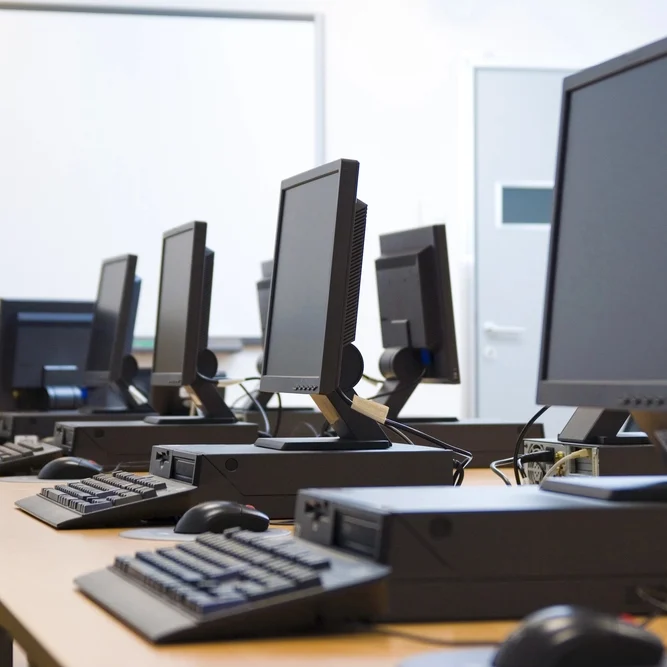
(124, 498)
(180, 572)
(252, 590)
(94, 491)
(96, 506)
(21, 450)
(210, 572)
(74, 492)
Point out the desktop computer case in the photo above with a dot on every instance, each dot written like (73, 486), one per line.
(129, 444)
(42, 424)
(475, 553)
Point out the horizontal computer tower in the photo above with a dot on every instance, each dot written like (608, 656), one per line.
(474, 553)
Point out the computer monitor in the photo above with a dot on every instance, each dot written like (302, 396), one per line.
(313, 305)
(43, 347)
(604, 321)
(181, 357)
(264, 293)
(109, 355)
(416, 314)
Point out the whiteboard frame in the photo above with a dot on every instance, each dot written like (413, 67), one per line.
(138, 10)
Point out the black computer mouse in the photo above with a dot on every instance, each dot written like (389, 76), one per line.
(69, 467)
(216, 516)
(566, 636)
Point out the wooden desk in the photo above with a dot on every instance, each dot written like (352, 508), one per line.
(58, 627)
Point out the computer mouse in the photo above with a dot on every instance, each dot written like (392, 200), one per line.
(216, 516)
(565, 636)
(69, 467)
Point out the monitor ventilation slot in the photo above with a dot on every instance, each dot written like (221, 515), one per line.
(354, 276)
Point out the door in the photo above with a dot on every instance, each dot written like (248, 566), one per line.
(517, 113)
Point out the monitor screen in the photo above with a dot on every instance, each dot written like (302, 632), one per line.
(415, 299)
(175, 284)
(303, 278)
(107, 315)
(606, 306)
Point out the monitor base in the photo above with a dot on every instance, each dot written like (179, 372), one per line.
(320, 444)
(117, 410)
(480, 657)
(185, 420)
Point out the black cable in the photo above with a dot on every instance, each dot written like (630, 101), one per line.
(541, 456)
(458, 480)
(412, 385)
(258, 405)
(371, 379)
(431, 641)
(430, 438)
(519, 441)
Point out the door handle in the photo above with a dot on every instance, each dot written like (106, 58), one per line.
(494, 329)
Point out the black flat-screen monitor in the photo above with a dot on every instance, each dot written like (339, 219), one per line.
(113, 320)
(316, 277)
(606, 304)
(35, 335)
(415, 300)
(183, 306)
(264, 293)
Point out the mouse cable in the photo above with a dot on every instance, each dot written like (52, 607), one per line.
(518, 470)
(429, 641)
(578, 454)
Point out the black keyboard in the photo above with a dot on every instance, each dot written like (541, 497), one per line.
(238, 584)
(26, 457)
(117, 498)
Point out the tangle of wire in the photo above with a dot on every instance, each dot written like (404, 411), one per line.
(459, 465)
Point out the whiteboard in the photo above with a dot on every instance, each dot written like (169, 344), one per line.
(117, 127)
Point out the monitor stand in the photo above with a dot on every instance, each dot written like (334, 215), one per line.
(649, 488)
(203, 392)
(596, 426)
(134, 400)
(356, 432)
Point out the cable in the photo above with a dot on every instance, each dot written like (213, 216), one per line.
(430, 641)
(578, 454)
(519, 441)
(420, 434)
(402, 436)
(408, 387)
(543, 456)
(371, 379)
(659, 606)
(262, 411)
(502, 462)
(430, 438)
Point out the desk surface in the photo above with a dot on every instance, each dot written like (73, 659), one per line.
(59, 627)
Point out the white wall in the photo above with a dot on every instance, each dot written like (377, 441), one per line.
(397, 100)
